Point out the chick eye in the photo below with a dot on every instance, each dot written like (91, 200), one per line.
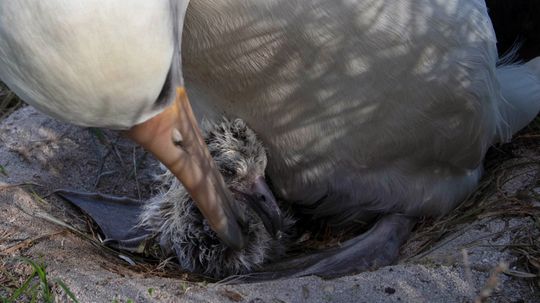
(228, 170)
(240, 135)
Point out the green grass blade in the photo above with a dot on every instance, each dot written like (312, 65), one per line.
(21, 290)
(34, 291)
(67, 290)
(40, 271)
(3, 170)
(99, 134)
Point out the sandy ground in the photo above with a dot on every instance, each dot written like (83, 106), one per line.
(55, 155)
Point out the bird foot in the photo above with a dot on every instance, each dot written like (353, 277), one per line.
(378, 247)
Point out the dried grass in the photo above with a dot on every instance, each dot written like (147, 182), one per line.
(9, 102)
(492, 200)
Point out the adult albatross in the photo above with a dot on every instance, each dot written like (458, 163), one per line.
(370, 110)
(116, 64)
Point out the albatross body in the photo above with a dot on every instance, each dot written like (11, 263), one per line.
(365, 107)
(368, 108)
(116, 64)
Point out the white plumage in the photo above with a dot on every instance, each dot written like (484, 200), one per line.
(375, 106)
(91, 63)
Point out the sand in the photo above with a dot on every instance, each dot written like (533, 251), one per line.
(37, 149)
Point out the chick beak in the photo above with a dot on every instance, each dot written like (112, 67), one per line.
(173, 136)
(263, 202)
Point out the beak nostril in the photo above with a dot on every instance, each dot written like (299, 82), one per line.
(176, 137)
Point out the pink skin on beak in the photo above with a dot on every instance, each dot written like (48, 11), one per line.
(174, 138)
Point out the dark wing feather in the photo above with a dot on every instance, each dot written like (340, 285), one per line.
(117, 217)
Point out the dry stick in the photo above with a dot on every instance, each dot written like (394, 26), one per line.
(500, 179)
(28, 242)
(135, 174)
(527, 137)
(117, 152)
(441, 243)
(5, 108)
(489, 235)
(5, 234)
(100, 169)
(468, 272)
(8, 186)
(491, 283)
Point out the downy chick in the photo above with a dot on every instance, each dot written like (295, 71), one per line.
(180, 229)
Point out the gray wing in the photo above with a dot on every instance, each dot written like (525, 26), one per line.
(117, 218)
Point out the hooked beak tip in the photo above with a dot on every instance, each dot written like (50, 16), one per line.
(174, 137)
(232, 236)
(265, 206)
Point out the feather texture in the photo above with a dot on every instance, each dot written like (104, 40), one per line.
(365, 106)
(181, 230)
(92, 63)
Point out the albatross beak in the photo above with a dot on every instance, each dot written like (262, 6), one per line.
(265, 205)
(260, 198)
(174, 138)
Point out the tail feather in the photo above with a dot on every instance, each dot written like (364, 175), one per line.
(520, 88)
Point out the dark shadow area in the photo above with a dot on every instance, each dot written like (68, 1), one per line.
(516, 21)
